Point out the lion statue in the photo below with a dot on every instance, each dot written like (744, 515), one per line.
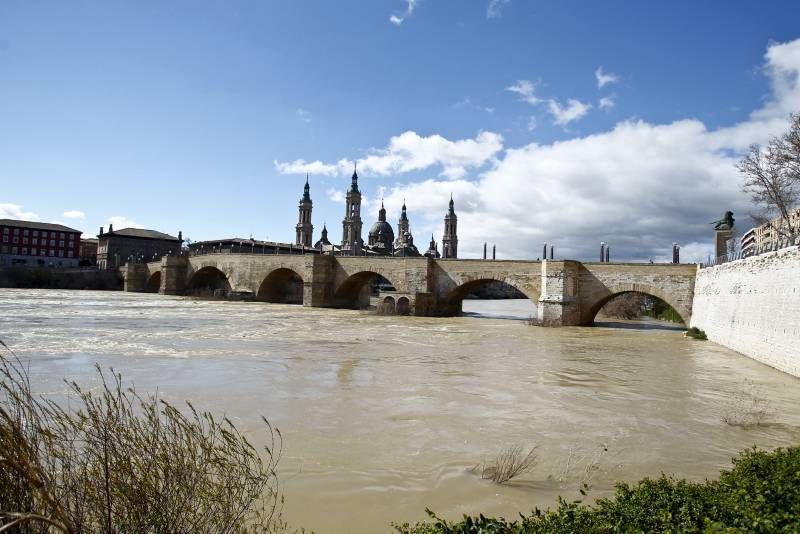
(725, 223)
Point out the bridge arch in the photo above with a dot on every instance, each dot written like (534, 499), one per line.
(208, 281)
(590, 312)
(353, 293)
(282, 285)
(453, 300)
(403, 306)
(154, 282)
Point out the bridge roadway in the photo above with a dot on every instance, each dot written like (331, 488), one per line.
(565, 292)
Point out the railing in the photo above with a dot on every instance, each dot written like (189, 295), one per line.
(778, 244)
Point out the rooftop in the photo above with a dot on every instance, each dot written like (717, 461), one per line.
(37, 225)
(141, 233)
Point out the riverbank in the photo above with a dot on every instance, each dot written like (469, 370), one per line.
(52, 278)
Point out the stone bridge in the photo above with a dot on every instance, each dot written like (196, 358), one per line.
(566, 292)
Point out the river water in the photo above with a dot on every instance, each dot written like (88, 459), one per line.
(383, 416)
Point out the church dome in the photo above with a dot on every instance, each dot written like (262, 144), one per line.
(383, 230)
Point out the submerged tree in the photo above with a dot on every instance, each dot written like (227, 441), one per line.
(772, 178)
(115, 461)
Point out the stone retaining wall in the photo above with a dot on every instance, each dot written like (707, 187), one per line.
(753, 307)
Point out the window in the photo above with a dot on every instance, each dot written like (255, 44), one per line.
(35, 233)
(24, 251)
(13, 250)
(52, 242)
(44, 234)
(5, 231)
(62, 235)
(15, 239)
(42, 252)
(33, 252)
(24, 240)
(69, 254)
(61, 253)
(16, 231)
(72, 237)
(25, 232)
(4, 249)
(35, 241)
(52, 252)
(5, 239)
(61, 243)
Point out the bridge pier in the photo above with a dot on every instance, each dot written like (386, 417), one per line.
(173, 275)
(134, 276)
(558, 303)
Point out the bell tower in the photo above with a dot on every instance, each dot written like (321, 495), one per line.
(304, 228)
(351, 225)
(450, 237)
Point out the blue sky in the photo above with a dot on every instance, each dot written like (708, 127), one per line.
(205, 116)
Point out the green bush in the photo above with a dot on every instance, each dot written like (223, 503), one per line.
(696, 333)
(760, 494)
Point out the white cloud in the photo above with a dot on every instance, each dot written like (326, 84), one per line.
(525, 89)
(301, 166)
(639, 186)
(607, 102)
(573, 111)
(531, 123)
(495, 8)
(15, 211)
(121, 222)
(74, 214)
(398, 19)
(411, 152)
(604, 78)
(303, 115)
(335, 195)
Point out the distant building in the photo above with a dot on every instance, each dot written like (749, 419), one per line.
(117, 247)
(433, 249)
(766, 237)
(352, 243)
(38, 244)
(404, 244)
(88, 251)
(241, 245)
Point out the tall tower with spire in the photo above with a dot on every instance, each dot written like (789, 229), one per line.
(402, 226)
(450, 237)
(351, 225)
(304, 228)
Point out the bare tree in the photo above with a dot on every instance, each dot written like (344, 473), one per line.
(772, 178)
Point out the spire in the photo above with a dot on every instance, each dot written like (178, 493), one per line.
(354, 184)
(324, 231)
(382, 213)
(306, 190)
(403, 215)
(452, 209)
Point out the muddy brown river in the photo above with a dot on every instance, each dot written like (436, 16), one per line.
(384, 416)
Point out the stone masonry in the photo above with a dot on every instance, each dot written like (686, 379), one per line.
(753, 307)
(565, 292)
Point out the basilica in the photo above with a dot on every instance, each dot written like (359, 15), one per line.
(381, 240)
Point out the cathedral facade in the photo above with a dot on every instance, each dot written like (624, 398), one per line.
(381, 239)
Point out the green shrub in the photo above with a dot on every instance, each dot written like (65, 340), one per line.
(760, 494)
(696, 333)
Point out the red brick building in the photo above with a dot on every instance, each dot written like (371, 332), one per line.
(38, 244)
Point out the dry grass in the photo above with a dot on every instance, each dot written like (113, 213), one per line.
(509, 463)
(114, 461)
(749, 407)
